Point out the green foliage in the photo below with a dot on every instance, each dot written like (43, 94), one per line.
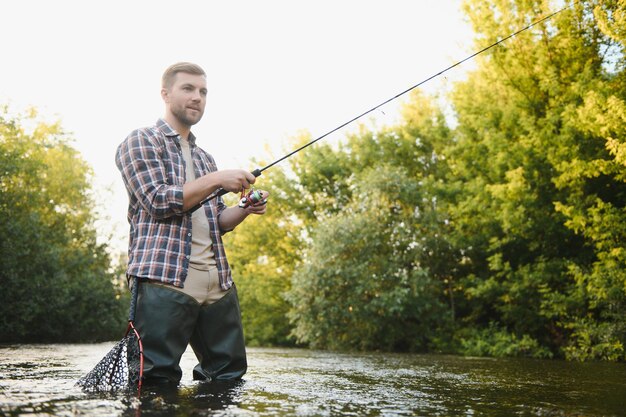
(539, 139)
(56, 280)
(262, 253)
(503, 236)
(372, 275)
(495, 342)
(360, 286)
(594, 340)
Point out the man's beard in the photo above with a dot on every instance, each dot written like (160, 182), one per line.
(181, 115)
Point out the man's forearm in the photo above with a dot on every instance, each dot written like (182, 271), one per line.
(197, 190)
(231, 218)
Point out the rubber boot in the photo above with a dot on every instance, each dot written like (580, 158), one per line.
(165, 320)
(218, 340)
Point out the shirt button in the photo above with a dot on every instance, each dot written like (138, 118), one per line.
(188, 234)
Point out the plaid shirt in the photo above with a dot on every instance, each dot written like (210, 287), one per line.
(153, 170)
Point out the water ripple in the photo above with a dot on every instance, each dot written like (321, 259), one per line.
(39, 380)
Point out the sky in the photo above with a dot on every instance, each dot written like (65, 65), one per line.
(274, 68)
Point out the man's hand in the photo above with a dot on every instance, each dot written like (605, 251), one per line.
(232, 216)
(235, 180)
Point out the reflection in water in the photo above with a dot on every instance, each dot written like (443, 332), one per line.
(40, 380)
(201, 398)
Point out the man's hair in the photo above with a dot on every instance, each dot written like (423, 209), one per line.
(187, 67)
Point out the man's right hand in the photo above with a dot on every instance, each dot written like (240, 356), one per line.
(235, 180)
(231, 180)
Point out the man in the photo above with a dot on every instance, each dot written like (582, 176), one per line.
(186, 290)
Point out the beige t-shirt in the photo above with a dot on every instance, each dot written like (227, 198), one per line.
(201, 245)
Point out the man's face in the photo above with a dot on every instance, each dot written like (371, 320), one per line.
(186, 98)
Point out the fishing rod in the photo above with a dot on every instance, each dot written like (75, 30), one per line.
(257, 172)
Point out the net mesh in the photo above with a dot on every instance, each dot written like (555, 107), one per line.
(119, 370)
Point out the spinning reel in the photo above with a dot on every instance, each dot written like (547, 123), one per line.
(251, 198)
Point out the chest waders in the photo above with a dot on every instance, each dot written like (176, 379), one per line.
(169, 320)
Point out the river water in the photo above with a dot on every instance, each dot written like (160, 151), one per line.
(39, 380)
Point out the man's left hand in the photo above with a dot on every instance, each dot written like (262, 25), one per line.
(259, 207)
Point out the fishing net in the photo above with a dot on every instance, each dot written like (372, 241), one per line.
(119, 370)
(122, 368)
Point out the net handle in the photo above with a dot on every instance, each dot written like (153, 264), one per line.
(133, 299)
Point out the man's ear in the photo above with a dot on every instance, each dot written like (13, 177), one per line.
(165, 94)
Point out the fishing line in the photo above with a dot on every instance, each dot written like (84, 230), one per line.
(257, 172)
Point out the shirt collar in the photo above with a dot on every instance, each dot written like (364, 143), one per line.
(169, 132)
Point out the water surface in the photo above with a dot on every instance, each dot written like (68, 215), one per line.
(39, 380)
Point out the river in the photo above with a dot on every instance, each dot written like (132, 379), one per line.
(39, 380)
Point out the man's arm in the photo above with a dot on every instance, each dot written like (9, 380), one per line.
(145, 176)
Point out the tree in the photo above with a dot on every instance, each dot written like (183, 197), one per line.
(371, 277)
(596, 184)
(56, 279)
(361, 286)
(262, 254)
(500, 236)
(527, 166)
